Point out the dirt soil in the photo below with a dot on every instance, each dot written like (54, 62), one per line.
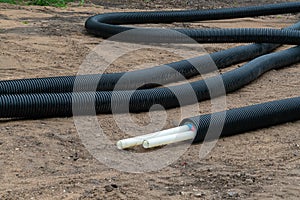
(45, 159)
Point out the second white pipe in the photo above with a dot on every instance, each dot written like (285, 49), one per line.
(169, 139)
(135, 141)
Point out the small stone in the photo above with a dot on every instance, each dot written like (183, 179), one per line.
(183, 193)
(95, 182)
(232, 194)
(296, 154)
(199, 194)
(249, 180)
(108, 188)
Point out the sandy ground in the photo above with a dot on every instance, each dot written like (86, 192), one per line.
(45, 159)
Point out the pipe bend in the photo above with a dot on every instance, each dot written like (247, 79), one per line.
(22, 99)
(109, 24)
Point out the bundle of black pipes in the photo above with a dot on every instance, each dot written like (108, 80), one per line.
(54, 96)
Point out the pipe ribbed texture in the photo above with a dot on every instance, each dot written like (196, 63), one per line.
(53, 97)
(245, 119)
(105, 25)
(60, 104)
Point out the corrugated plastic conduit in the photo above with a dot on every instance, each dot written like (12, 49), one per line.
(54, 96)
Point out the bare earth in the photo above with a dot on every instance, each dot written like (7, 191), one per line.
(45, 159)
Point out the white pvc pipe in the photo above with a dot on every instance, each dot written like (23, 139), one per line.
(135, 141)
(169, 139)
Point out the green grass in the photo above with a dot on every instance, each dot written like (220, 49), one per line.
(8, 1)
(56, 3)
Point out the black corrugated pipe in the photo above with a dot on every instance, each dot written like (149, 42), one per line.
(245, 119)
(140, 78)
(61, 104)
(107, 25)
(38, 105)
(162, 74)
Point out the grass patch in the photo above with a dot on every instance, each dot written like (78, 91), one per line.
(8, 1)
(55, 3)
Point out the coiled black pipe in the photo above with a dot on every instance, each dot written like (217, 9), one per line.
(87, 103)
(61, 104)
(244, 119)
(140, 79)
(143, 78)
(108, 25)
